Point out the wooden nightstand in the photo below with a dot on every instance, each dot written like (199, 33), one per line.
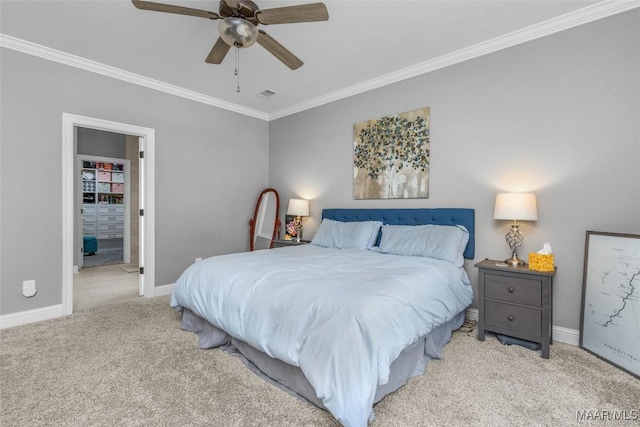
(283, 243)
(515, 301)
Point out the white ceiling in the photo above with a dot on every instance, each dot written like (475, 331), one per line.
(364, 44)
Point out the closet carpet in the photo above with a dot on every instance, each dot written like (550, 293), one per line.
(105, 257)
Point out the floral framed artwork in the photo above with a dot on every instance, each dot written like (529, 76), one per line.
(293, 227)
(391, 156)
(609, 322)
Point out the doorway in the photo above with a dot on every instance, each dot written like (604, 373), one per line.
(71, 216)
(105, 229)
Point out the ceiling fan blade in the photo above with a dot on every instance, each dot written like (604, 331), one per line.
(169, 8)
(218, 52)
(233, 4)
(292, 14)
(279, 51)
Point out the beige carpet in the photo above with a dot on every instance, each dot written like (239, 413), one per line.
(130, 365)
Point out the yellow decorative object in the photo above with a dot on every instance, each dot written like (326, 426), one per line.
(540, 262)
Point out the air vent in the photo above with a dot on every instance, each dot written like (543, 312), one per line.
(265, 93)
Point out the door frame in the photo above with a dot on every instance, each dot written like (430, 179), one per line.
(147, 200)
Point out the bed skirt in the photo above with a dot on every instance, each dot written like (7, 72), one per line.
(410, 363)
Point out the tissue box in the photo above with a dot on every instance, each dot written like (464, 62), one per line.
(540, 262)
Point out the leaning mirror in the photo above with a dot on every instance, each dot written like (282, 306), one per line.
(265, 223)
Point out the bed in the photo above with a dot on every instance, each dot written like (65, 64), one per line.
(347, 319)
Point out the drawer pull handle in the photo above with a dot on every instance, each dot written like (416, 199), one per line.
(511, 290)
(510, 317)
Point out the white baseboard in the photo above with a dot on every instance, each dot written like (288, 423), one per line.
(560, 334)
(30, 316)
(164, 290)
(51, 312)
(566, 335)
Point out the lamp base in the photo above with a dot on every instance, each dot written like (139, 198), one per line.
(514, 261)
(514, 239)
(298, 227)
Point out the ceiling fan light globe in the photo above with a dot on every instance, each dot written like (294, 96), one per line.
(237, 32)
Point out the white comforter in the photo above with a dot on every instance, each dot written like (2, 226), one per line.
(342, 316)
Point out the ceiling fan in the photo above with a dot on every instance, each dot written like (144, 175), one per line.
(238, 25)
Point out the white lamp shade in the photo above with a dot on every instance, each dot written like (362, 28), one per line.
(516, 206)
(298, 207)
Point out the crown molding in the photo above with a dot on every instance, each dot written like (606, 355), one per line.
(50, 54)
(564, 22)
(582, 16)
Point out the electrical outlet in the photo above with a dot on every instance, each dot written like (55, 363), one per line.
(198, 259)
(29, 288)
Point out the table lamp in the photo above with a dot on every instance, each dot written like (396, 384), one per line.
(515, 207)
(298, 208)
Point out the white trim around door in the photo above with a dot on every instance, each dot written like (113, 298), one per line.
(147, 200)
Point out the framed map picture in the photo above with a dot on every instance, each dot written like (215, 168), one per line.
(610, 316)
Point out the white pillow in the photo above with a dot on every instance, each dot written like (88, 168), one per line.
(445, 242)
(346, 235)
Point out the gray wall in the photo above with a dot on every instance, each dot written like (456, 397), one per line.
(97, 142)
(211, 164)
(559, 116)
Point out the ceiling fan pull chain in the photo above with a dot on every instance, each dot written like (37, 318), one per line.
(236, 72)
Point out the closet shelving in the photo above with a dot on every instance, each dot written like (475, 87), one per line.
(103, 199)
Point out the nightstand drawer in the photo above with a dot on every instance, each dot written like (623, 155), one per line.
(513, 289)
(513, 318)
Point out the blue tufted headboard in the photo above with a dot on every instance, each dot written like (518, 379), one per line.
(438, 216)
